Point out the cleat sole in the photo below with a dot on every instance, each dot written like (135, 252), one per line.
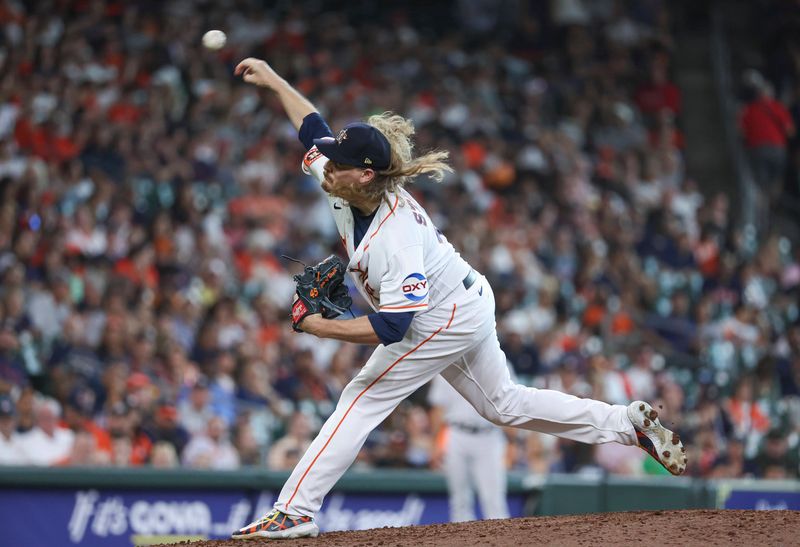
(657, 440)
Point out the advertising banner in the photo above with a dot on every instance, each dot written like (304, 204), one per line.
(762, 500)
(126, 518)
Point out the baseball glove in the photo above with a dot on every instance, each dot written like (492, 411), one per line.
(321, 289)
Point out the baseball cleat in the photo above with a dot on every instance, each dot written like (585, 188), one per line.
(278, 525)
(655, 439)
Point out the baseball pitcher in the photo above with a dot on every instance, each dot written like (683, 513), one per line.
(433, 314)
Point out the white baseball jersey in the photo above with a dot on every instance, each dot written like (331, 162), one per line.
(403, 263)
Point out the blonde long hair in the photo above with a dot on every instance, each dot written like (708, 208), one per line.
(403, 166)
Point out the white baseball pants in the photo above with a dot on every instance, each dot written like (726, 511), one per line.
(458, 340)
(474, 463)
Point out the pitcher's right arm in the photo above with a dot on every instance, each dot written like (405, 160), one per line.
(258, 72)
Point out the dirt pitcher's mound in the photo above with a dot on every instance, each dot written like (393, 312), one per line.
(699, 527)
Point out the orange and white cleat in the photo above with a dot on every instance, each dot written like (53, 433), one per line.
(655, 439)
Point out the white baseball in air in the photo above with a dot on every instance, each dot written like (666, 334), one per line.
(214, 39)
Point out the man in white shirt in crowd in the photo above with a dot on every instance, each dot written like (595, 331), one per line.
(212, 450)
(48, 443)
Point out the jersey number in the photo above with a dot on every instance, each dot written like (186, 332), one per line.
(421, 221)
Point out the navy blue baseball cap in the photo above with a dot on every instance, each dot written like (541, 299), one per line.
(358, 145)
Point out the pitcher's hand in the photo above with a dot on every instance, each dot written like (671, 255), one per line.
(258, 72)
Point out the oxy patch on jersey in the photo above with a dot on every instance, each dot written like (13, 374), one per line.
(415, 287)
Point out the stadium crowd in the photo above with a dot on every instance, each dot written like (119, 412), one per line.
(146, 196)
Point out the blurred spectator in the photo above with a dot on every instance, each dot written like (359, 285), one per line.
(658, 94)
(775, 460)
(26, 416)
(640, 376)
(48, 443)
(704, 451)
(747, 417)
(568, 377)
(195, 410)
(223, 386)
(130, 446)
(577, 458)
(121, 451)
(620, 460)
(78, 416)
(288, 450)
(164, 456)
(420, 440)
(211, 449)
(766, 127)
(538, 453)
(86, 453)
(246, 443)
(731, 463)
(50, 307)
(12, 451)
(164, 426)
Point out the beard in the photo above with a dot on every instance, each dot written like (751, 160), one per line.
(345, 191)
